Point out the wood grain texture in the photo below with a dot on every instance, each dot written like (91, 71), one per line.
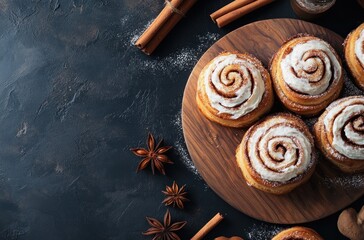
(212, 147)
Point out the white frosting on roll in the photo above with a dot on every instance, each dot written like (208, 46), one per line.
(346, 122)
(359, 48)
(278, 151)
(233, 85)
(308, 68)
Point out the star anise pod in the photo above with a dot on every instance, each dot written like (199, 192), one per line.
(165, 231)
(175, 195)
(153, 155)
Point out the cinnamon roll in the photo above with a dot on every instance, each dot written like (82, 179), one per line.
(298, 233)
(234, 90)
(307, 74)
(340, 133)
(354, 54)
(277, 154)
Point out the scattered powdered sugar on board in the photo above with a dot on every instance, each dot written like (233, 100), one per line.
(262, 231)
(347, 182)
(181, 147)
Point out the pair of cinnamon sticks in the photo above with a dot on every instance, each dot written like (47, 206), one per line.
(235, 10)
(172, 13)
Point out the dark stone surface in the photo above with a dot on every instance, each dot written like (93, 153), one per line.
(75, 95)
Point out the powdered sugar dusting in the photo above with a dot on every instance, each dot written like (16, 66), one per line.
(134, 39)
(124, 20)
(206, 40)
(185, 158)
(262, 231)
(183, 59)
(129, 34)
(138, 32)
(181, 147)
(347, 182)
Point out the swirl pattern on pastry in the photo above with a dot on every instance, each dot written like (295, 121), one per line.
(277, 154)
(234, 85)
(346, 124)
(340, 133)
(307, 74)
(310, 67)
(234, 90)
(279, 151)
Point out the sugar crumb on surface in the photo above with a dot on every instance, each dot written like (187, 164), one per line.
(181, 147)
(350, 181)
(262, 231)
(138, 32)
(183, 59)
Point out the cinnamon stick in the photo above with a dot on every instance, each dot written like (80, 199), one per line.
(157, 24)
(208, 227)
(171, 14)
(230, 7)
(240, 12)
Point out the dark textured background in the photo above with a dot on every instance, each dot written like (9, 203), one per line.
(75, 95)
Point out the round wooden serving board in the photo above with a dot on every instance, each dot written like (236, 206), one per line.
(212, 146)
